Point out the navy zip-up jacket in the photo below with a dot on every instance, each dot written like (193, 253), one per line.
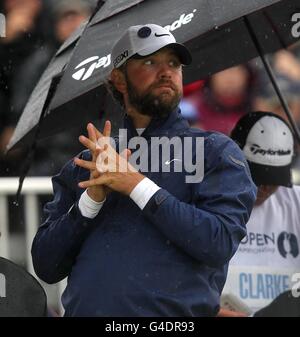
(169, 259)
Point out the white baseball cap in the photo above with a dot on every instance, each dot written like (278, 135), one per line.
(144, 40)
(268, 144)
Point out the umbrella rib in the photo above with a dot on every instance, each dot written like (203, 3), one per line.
(31, 151)
(272, 78)
(281, 40)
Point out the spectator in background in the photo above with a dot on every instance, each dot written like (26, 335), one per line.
(224, 98)
(67, 16)
(53, 152)
(287, 72)
(26, 31)
(267, 258)
(286, 68)
(295, 50)
(267, 98)
(27, 28)
(189, 112)
(188, 107)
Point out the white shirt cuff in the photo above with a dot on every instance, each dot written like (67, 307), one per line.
(88, 207)
(143, 192)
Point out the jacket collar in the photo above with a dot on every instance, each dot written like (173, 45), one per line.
(158, 127)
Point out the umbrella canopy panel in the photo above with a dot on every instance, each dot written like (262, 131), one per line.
(215, 33)
(214, 30)
(112, 7)
(219, 11)
(36, 103)
(232, 44)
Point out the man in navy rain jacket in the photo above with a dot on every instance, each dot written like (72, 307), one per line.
(145, 242)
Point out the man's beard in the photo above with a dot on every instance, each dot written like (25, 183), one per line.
(151, 105)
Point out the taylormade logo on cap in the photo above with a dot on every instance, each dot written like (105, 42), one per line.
(269, 142)
(121, 57)
(145, 40)
(257, 149)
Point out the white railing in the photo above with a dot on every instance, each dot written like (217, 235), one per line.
(32, 188)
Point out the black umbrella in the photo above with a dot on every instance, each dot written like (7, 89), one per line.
(29, 126)
(44, 90)
(219, 33)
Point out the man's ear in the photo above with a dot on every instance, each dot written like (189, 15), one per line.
(119, 81)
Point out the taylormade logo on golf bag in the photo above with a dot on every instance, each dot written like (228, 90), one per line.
(296, 26)
(86, 68)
